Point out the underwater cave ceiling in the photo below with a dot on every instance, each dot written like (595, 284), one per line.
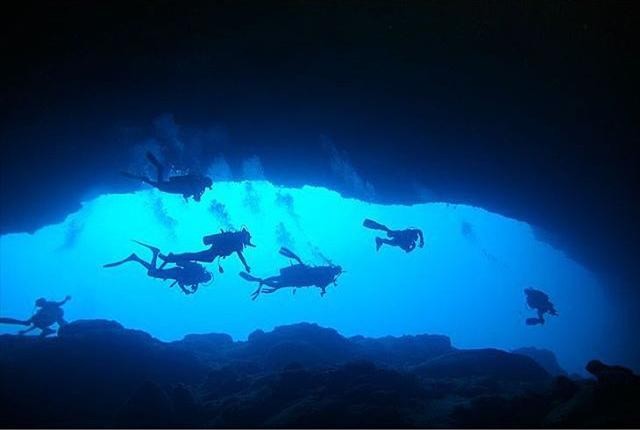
(587, 223)
(529, 111)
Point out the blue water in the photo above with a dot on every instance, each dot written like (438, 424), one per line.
(467, 282)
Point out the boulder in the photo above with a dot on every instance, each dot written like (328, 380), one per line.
(492, 363)
(402, 351)
(544, 357)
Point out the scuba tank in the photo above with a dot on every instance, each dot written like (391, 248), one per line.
(218, 237)
(294, 272)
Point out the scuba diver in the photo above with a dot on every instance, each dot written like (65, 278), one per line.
(539, 301)
(185, 274)
(48, 314)
(191, 185)
(405, 239)
(296, 276)
(220, 244)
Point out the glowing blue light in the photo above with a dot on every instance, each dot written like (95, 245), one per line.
(467, 282)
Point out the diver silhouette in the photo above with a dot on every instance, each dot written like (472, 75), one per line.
(185, 274)
(296, 276)
(405, 239)
(191, 185)
(539, 301)
(221, 245)
(48, 314)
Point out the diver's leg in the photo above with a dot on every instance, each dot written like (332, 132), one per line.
(206, 256)
(380, 241)
(46, 331)
(323, 289)
(139, 178)
(132, 257)
(173, 273)
(184, 290)
(154, 259)
(273, 284)
(154, 250)
(61, 322)
(172, 258)
(159, 167)
(220, 269)
(27, 330)
(256, 293)
(143, 263)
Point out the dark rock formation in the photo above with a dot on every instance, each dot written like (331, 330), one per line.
(402, 351)
(100, 374)
(303, 343)
(83, 376)
(612, 375)
(544, 357)
(148, 407)
(491, 363)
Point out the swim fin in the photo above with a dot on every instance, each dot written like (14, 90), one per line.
(132, 257)
(369, 223)
(534, 321)
(153, 160)
(289, 254)
(151, 247)
(247, 277)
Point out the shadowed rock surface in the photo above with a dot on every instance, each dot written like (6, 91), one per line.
(99, 374)
(544, 358)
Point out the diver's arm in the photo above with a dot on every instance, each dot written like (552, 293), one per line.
(421, 243)
(323, 289)
(244, 262)
(184, 290)
(60, 303)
